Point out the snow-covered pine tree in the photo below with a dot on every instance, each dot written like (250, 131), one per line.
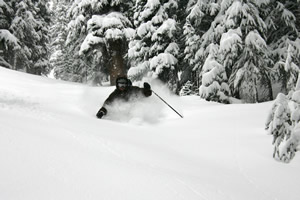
(26, 23)
(283, 32)
(73, 67)
(283, 123)
(284, 41)
(41, 53)
(9, 47)
(189, 89)
(108, 29)
(154, 51)
(191, 40)
(291, 69)
(214, 80)
(200, 15)
(279, 123)
(183, 74)
(250, 80)
(295, 5)
(58, 34)
(9, 44)
(230, 48)
(281, 20)
(247, 64)
(291, 142)
(6, 15)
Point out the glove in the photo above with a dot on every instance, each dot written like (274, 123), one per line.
(147, 86)
(100, 114)
(147, 89)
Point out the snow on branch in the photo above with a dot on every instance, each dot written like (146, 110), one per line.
(255, 40)
(161, 61)
(4, 5)
(168, 28)
(9, 39)
(229, 39)
(234, 10)
(196, 14)
(110, 26)
(172, 48)
(88, 42)
(106, 21)
(225, 4)
(102, 28)
(144, 29)
(149, 9)
(139, 71)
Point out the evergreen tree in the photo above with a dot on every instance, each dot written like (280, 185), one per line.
(278, 123)
(246, 63)
(291, 141)
(230, 48)
(230, 23)
(9, 44)
(154, 51)
(41, 54)
(189, 89)
(73, 67)
(201, 14)
(291, 69)
(250, 80)
(283, 124)
(281, 20)
(214, 80)
(97, 36)
(58, 34)
(283, 40)
(26, 24)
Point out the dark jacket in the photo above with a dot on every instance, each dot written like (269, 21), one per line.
(131, 93)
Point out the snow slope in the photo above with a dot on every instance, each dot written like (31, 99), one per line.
(53, 147)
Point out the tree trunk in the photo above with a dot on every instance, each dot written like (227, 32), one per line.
(117, 67)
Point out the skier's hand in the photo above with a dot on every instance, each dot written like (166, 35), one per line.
(100, 114)
(147, 89)
(147, 86)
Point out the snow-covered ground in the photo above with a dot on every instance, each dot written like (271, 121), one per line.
(53, 147)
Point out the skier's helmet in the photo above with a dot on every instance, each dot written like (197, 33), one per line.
(122, 83)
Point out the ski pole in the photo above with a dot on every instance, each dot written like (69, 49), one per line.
(167, 104)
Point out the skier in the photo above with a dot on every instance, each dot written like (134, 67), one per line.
(124, 91)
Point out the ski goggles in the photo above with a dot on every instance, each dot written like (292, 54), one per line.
(122, 83)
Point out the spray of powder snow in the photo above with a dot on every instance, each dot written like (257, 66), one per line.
(142, 110)
(152, 109)
(148, 110)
